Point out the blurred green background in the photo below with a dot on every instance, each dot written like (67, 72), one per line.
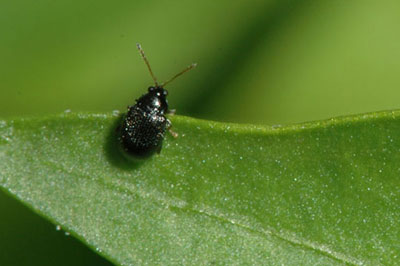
(266, 62)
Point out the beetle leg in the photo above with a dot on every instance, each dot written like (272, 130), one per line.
(173, 133)
(159, 150)
(172, 111)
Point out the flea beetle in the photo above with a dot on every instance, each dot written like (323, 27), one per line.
(144, 125)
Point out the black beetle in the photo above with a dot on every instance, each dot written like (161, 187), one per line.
(144, 125)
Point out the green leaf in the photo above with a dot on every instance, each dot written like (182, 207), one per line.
(323, 193)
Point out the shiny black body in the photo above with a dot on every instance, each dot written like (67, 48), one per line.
(144, 125)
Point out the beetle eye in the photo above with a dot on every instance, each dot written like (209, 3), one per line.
(165, 93)
(151, 88)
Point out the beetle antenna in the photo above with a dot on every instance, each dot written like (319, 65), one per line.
(147, 63)
(180, 73)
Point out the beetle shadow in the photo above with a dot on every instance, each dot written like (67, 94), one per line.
(113, 151)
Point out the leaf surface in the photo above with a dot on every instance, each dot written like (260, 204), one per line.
(324, 192)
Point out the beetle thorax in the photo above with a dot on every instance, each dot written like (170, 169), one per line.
(154, 100)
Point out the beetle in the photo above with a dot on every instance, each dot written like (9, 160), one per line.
(144, 125)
